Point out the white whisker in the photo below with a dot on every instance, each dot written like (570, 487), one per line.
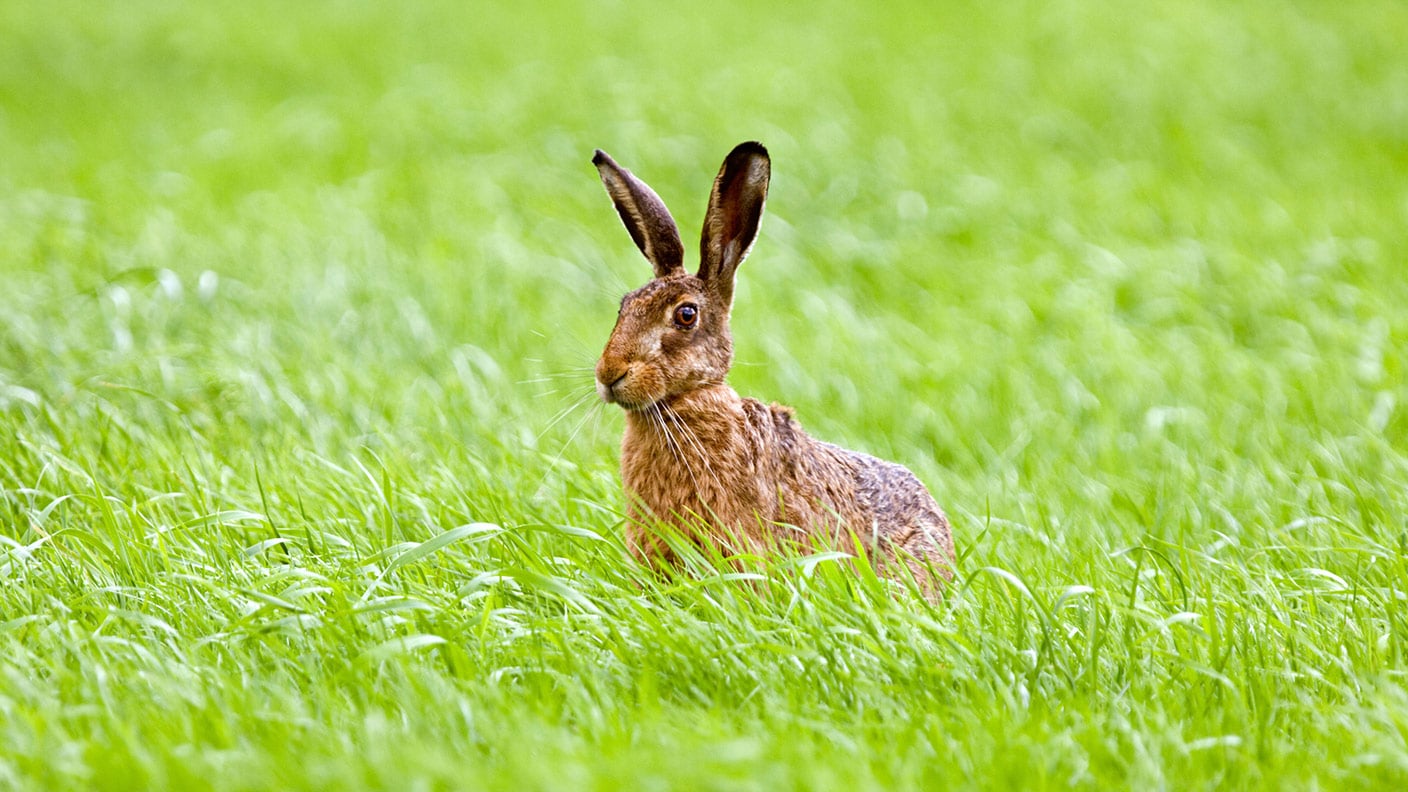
(550, 378)
(576, 429)
(689, 434)
(566, 411)
(675, 447)
(593, 410)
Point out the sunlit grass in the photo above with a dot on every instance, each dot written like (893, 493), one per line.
(302, 483)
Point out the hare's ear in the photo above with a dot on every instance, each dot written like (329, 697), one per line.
(645, 216)
(735, 211)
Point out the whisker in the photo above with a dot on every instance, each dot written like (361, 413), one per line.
(563, 395)
(553, 378)
(593, 410)
(596, 425)
(553, 392)
(570, 389)
(675, 448)
(566, 411)
(689, 434)
(573, 435)
(541, 361)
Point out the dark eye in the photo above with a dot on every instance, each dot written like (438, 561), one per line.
(687, 315)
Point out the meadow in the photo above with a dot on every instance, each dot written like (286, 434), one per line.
(303, 483)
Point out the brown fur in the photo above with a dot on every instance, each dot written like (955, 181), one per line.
(694, 450)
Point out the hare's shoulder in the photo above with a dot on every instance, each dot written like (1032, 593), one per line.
(775, 424)
(761, 413)
(779, 434)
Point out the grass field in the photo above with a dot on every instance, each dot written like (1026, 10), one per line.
(302, 484)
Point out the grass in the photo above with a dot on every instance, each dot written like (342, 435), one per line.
(300, 484)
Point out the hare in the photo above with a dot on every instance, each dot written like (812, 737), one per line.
(738, 470)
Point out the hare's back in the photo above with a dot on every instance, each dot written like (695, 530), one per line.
(904, 512)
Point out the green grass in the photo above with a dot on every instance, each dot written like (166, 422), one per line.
(294, 293)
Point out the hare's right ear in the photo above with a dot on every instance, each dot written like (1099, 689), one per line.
(645, 216)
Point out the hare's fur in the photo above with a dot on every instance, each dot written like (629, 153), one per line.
(694, 450)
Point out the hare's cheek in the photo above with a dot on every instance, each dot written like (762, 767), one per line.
(648, 346)
(676, 344)
(649, 378)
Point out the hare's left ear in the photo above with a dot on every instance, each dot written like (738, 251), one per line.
(735, 212)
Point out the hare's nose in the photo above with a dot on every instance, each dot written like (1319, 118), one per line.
(607, 379)
(606, 391)
(610, 372)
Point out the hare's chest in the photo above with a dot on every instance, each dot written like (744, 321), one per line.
(681, 472)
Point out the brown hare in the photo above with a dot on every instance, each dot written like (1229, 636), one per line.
(734, 472)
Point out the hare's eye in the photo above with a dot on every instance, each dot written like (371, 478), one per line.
(687, 315)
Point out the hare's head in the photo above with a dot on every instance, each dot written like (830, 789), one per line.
(672, 334)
